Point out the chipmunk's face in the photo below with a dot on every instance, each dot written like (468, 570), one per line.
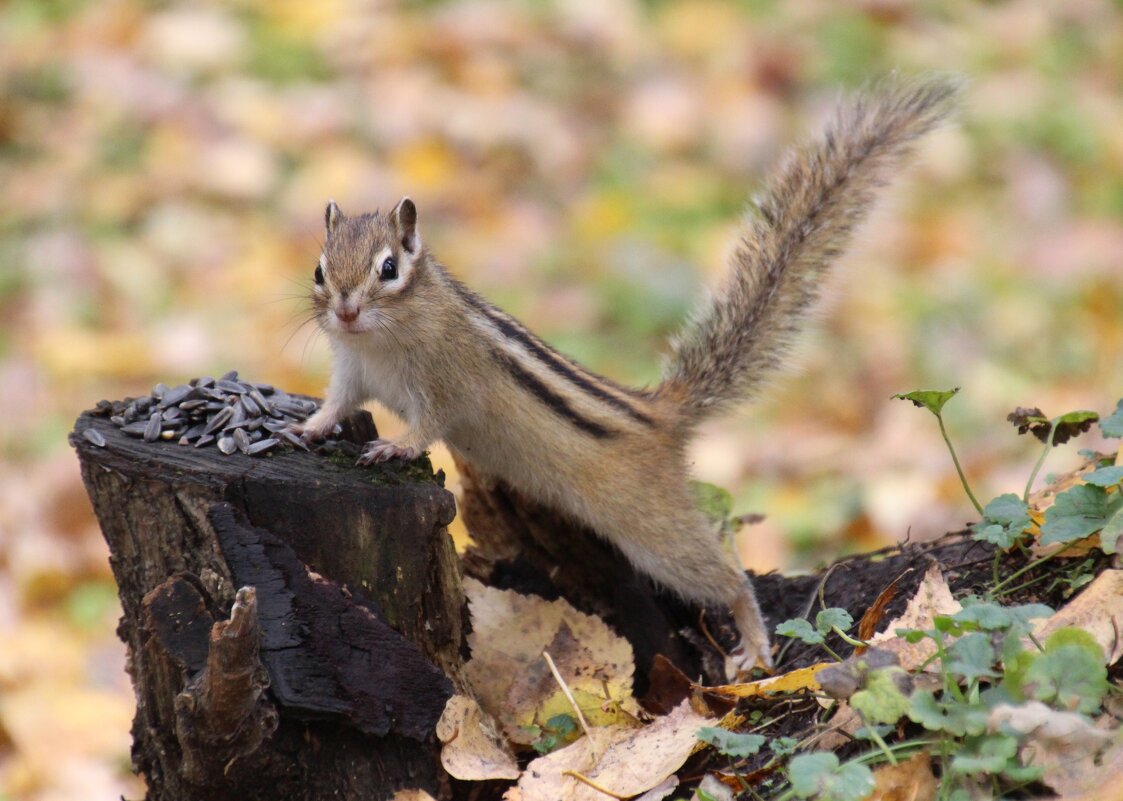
(367, 271)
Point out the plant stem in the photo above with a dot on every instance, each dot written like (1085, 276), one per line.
(830, 651)
(958, 467)
(872, 732)
(1040, 460)
(1024, 569)
(847, 638)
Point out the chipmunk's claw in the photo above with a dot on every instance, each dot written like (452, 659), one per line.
(381, 450)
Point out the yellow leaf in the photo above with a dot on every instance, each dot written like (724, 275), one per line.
(793, 681)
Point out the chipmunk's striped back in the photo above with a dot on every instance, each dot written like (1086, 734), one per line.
(552, 378)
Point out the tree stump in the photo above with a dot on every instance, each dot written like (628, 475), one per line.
(295, 624)
(335, 588)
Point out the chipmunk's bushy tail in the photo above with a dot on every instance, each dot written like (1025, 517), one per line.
(804, 219)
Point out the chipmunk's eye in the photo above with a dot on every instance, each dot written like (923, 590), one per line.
(319, 275)
(389, 270)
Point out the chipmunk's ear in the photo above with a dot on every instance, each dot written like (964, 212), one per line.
(332, 216)
(404, 217)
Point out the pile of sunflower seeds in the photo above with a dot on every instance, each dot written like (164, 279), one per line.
(232, 414)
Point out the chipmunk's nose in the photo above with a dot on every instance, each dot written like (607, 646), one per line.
(347, 311)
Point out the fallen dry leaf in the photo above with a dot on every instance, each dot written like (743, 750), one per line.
(873, 615)
(1098, 609)
(622, 760)
(472, 750)
(1064, 744)
(790, 682)
(932, 598)
(661, 790)
(511, 679)
(911, 780)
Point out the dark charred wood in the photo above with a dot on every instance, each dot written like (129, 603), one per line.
(327, 679)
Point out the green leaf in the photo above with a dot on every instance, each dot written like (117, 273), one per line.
(1112, 425)
(1023, 613)
(881, 700)
(1007, 508)
(783, 746)
(1064, 427)
(714, 501)
(731, 743)
(983, 615)
(562, 724)
(820, 776)
(1070, 674)
(1078, 512)
(988, 753)
(833, 616)
(972, 657)
(1018, 773)
(800, 629)
(1004, 520)
(913, 636)
(931, 399)
(1112, 533)
(1105, 476)
(990, 616)
(946, 624)
(1071, 424)
(955, 718)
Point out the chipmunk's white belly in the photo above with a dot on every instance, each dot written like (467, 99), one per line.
(385, 378)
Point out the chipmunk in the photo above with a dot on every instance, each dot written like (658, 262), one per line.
(404, 332)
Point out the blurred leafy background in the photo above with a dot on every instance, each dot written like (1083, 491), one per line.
(163, 169)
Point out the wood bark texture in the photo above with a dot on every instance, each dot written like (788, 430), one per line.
(294, 624)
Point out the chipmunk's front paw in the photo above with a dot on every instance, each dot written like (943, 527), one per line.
(383, 450)
(315, 428)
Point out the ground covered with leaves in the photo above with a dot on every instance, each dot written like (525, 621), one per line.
(163, 169)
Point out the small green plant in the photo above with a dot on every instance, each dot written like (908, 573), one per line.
(557, 732)
(994, 679)
(934, 400)
(834, 619)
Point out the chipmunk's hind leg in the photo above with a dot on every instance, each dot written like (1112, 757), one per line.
(704, 573)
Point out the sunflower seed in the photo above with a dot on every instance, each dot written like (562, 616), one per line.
(262, 445)
(250, 405)
(220, 419)
(177, 394)
(229, 386)
(294, 439)
(152, 430)
(95, 437)
(229, 412)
